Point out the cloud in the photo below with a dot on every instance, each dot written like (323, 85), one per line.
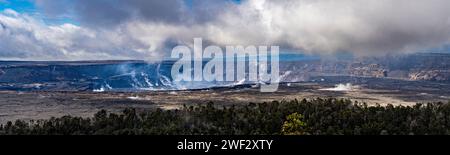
(25, 38)
(107, 12)
(364, 27)
(142, 29)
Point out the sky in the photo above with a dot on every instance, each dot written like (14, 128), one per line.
(149, 29)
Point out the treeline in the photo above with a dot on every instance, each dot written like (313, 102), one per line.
(305, 117)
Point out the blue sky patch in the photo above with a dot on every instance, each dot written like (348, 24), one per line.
(21, 6)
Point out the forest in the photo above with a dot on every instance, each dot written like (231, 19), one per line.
(297, 117)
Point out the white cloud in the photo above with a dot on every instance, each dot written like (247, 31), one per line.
(25, 38)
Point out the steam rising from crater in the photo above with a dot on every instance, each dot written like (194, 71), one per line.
(342, 87)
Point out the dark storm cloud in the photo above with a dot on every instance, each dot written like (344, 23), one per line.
(112, 12)
(209, 10)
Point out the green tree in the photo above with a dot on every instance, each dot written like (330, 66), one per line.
(294, 125)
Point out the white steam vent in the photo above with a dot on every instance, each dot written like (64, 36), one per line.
(342, 87)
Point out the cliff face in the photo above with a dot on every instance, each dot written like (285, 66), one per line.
(371, 70)
(425, 66)
(430, 75)
(429, 67)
